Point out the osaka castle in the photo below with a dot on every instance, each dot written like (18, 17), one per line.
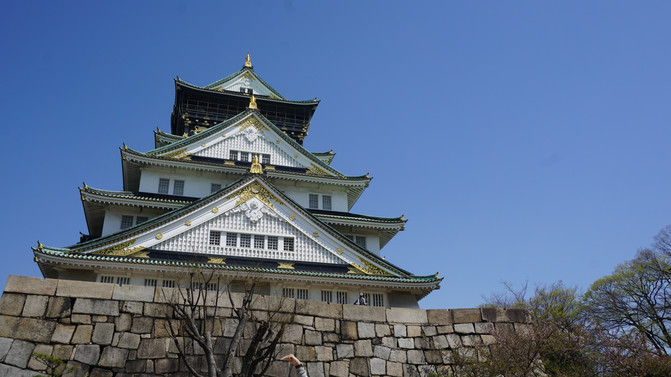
(232, 190)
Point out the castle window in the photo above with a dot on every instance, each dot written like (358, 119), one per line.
(265, 159)
(360, 240)
(178, 188)
(231, 239)
(149, 282)
(288, 244)
(215, 187)
(288, 292)
(212, 286)
(122, 280)
(163, 185)
(140, 219)
(259, 242)
(327, 296)
(233, 155)
(126, 221)
(326, 202)
(302, 294)
(341, 297)
(215, 238)
(314, 201)
(244, 156)
(107, 279)
(245, 240)
(272, 242)
(168, 284)
(378, 299)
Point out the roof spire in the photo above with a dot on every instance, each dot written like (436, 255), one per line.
(252, 103)
(256, 167)
(248, 62)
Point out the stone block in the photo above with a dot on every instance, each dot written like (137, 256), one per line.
(324, 324)
(152, 349)
(471, 340)
(440, 341)
(517, 315)
(400, 331)
(123, 322)
(359, 366)
(132, 307)
(162, 330)
(63, 351)
(5, 345)
(423, 343)
(142, 325)
(416, 357)
(36, 364)
(439, 317)
(281, 304)
(305, 320)
(59, 307)
(382, 329)
(304, 353)
(484, 328)
(492, 314)
(103, 333)
(19, 353)
(366, 330)
(319, 309)
(82, 334)
(414, 331)
(345, 351)
(31, 285)
(454, 341)
(429, 330)
(87, 354)
(505, 328)
(157, 310)
(10, 371)
(164, 366)
(446, 329)
(488, 339)
(113, 357)
(96, 306)
(330, 337)
(348, 330)
(31, 329)
(83, 319)
(339, 369)
(62, 334)
(85, 289)
(12, 304)
(382, 352)
(363, 313)
(35, 306)
(407, 343)
(292, 334)
(464, 328)
(405, 315)
(466, 315)
(363, 348)
(394, 369)
(433, 356)
(133, 293)
(378, 366)
(313, 338)
(129, 340)
(389, 341)
(97, 372)
(315, 369)
(399, 356)
(231, 324)
(324, 353)
(426, 370)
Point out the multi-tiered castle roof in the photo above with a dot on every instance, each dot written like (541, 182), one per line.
(232, 190)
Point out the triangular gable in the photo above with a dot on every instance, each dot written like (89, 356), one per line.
(251, 206)
(245, 79)
(248, 132)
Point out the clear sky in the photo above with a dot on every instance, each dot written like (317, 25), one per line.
(523, 140)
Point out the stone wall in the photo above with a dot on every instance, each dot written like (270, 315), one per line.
(110, 330)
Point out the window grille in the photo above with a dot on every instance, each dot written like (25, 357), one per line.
(140, 219)
(245, 240)
(378, 299)
(244, 156)
(288, 244)
(231, 239)
(288, 292)
(272, 243)
(215, 238)
(122, 280)
(107, 279)
(233, 155)
(265, 159)
(163, 185)
(341, 297)
(196, 286)
(360, 240)
(126, 222)
(212, 286)
(302, 293)
(178, 188)
(326, 201)
(327, 296)
(314, 201)
(149, 282)
(259, 242)
(168, 284)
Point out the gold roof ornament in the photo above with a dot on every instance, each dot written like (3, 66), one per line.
(252, 103)
(256, 166)
(248, 61)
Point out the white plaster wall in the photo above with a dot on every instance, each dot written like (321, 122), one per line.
(257, 144)
(196, 184)
(300, 193)
(112, 221)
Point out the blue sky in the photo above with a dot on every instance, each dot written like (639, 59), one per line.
(523, 140)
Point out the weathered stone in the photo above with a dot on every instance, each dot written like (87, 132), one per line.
(464, 328)
(35, 306)
(440, 341)
(319, 309)
(97, 372)
(98, 318)
(5, 345)
(313, 338)
(292, 334)
(330, 337)
(426, 370)
(324, 353)
(306, 353)
(230, 325)
(454, 341)
(366, 330)
(157, 310)
(414, 331)
(488, 339)
(19, 353)
(59, 307)
(363, 313)
(82, 334)
(389, 341)
(78, 288)
(438, 316)
(345, 351)
(163, 366)
(398, 356)
(136, 366)
(77, 369)
(43, 349)
(31, 285)
(484, 328)
(447, 329)
(31, 329)
(63, 351)
(96, 306)
(133, 293)
(466, 315)
(505, 328)
(429, 330)
(348, 330)
(363, 348)
(407, 343)
(113, 357)
(400, 331)
(394, 369)
(315, 369)
(433, 356)
(87, 353)
(423, 343)
(471, 340)
(62, 334)
(339, 369)
(152, 349)
(517, 315)
(123, 322)
(103, 333)
(132, 307)
(324, 324)
(129, 340)
(12, 304)
(378, 366)
(416, 357)
(404, 315)
(84, 319)
(382, 329)
(359, 366)
(142, 325)
(10, 371)
(305, 320)
(382, 352)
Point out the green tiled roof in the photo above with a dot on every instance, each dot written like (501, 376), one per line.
(240, 72)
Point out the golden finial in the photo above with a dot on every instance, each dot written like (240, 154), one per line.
(331, 151)
(85, 186)
(436, 275)
(252, 103)
(402, 219)
(125, 147)
(248, 61)
(314, 99)
(39, 245)
(256, 167)
(368, 175)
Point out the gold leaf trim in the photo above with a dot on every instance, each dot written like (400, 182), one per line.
(253, 122)
(292, 217)
(339, 251)
(255, 190)
(176, 154)
(159, 236)
(371, 269)
(121, 249)
(316, 170)
(285, 266)
(215, 209)
(216, 260)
